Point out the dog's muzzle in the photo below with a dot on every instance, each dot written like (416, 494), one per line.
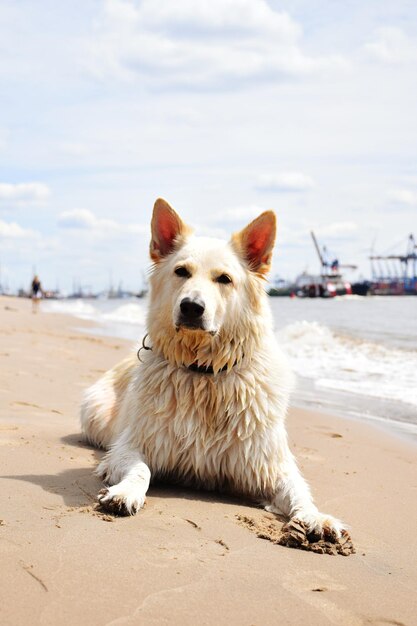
(192, 311)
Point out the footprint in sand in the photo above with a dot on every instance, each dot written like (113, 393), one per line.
(32, 405)
(383, 621)
(310, 455)
(308, 584)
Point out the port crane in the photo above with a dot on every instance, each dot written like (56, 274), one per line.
(400, 276)
(327, 265)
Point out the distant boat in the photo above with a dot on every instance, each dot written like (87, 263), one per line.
(321, 286)
(282, 288)
(330, 282)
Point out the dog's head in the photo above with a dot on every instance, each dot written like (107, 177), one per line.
(204, 288)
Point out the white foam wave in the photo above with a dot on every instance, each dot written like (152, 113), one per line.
(332, 361)
(78, 308)
(343, 363)
(130, 313)
(101, 311)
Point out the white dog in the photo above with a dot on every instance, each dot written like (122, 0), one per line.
(207, 403)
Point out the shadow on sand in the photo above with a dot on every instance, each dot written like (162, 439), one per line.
(78, 487)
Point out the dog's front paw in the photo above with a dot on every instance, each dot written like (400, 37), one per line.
(108, 473)
(321, 525)
(121, 500)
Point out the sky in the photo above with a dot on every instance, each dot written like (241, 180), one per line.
(225, 108)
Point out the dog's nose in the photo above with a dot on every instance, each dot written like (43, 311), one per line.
(192, 309)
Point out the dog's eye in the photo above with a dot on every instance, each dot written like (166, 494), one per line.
(224, 279)
(183, 272)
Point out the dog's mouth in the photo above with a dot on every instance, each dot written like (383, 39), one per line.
(188, 325)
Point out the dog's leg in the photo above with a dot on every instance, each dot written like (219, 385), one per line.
(294, 500)
(128, 477)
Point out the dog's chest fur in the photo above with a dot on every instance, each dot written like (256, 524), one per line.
(217, 431)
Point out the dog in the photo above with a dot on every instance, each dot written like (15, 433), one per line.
(206, 402)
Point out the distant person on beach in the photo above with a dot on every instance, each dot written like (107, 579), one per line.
(36, 293)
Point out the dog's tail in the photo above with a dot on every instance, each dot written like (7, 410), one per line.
(100, 408)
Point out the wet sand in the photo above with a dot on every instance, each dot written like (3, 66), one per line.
(186, 558)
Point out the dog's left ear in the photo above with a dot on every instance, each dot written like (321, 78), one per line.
(255, 242)
(167, 230)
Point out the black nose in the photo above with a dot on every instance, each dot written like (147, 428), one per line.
(192, 309)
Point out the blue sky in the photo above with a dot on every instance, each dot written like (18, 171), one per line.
(224, 107)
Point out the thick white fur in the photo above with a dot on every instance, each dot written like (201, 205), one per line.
(223, 430)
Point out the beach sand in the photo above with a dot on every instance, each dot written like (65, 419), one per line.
(184, 559)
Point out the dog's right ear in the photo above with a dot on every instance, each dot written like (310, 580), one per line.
(256, 241)
(167, 229)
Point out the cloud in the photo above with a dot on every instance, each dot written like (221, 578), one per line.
(22, 193)
(409, 179)
(285, 182)
(206, 44)
(83, 219)
(337, 229)
(404, 197)
(203, 230)
(73, 149)
(243, 213)
(77, 218)
(392, 46)
(12, 230)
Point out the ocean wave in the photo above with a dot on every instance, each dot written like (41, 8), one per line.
(78, 308)
(331, 361)
(99, 311)
(343, 363)
(131, 313)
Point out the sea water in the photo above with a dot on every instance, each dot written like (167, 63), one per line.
(351, 355)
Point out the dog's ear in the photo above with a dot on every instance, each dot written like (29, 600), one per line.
(256, 241)
(167, 229)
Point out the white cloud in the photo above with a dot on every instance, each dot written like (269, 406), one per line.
(24, 192)
(12, 230)
(77, 218)
(211, 231)
(210, 43)
(83, 219)
(285, 181)
(405, 197)
(243, 214)
(392, 46)
(409, 179)
(73, 149)
(337, 229)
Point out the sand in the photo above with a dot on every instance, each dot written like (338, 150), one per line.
(186, 558)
